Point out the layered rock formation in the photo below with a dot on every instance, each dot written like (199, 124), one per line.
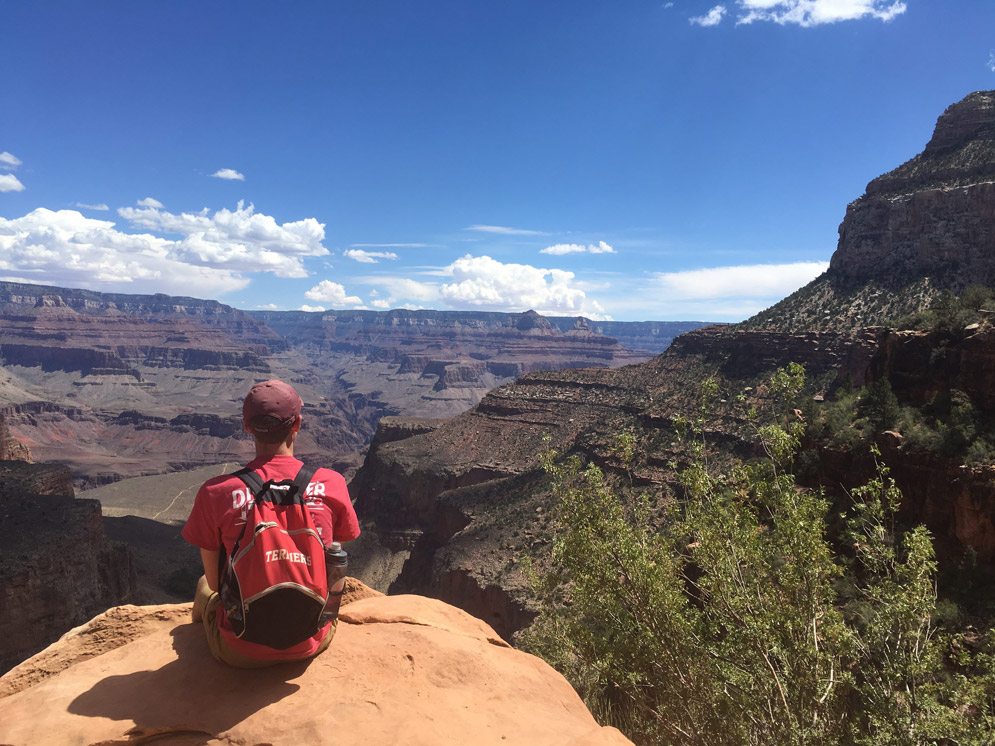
(118, 386)
(928, 225)
(11, 449)
(440, 363)
(400, 670)
(932, 216)
(57, 568)
(158, 308)
(463, 500)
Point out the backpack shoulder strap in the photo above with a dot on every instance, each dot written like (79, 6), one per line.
(250, 478)
(303, 479)
(255, 483)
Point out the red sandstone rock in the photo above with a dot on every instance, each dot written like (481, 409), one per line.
(404, 670)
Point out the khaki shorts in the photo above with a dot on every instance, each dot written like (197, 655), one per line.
(205, 605)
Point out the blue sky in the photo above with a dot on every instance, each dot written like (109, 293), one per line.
(620, 159)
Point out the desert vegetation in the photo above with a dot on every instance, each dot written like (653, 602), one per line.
(748, 609)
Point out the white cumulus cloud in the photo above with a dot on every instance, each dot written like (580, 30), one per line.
(368, 257)
(711, 18)
(991, 60)
(575, 248)
(754, 281)
(331, 292)
(241, 240)
(148, 202)
(380, 303)
(228, 173)
(808, 13)
(85, 206)
(306, 307)
(9, 161)
(485, 283)
(10, 183)
(67, 248)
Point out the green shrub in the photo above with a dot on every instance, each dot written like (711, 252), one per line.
(730, 619)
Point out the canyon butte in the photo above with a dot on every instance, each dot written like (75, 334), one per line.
(451, 501)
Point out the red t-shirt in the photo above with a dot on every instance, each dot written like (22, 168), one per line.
(219, 513)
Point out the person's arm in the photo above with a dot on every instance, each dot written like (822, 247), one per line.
(210, 561)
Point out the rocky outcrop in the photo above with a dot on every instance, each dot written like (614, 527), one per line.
(20, 477)
(926, 226)
(57, 569)
(934, 215)
(470, 493)
(401, 669)
(11, 449)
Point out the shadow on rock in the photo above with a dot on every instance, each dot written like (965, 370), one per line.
(191, 695)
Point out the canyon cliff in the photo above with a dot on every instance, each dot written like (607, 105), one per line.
(460, 502)
(926, 226)
(57, 567)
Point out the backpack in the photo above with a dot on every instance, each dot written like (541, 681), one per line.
(273, 585)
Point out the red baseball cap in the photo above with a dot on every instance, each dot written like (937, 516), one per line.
(274, 398)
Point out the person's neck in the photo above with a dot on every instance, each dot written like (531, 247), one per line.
(266, 451)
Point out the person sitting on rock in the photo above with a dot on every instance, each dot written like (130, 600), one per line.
(272, 413)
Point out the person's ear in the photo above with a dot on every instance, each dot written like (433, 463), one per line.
(245, 424)
(297, 425)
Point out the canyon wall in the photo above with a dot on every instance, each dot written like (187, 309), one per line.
(926, 226)
(119, 386)
(468, 499)
(935, 214)
(57, 569)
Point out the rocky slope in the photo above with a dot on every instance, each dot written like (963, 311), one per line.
(400, 670)
(11, 449)
(57, 568)
(926, 226)
(462, 500)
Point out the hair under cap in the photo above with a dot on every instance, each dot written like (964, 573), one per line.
(273, 398)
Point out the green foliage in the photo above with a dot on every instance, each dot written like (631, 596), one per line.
(948, 424)
(950, 313)
(728, 618)
(879, 405)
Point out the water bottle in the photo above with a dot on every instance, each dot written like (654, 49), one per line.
(336, 565)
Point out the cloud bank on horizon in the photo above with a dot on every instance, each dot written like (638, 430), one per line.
(222, 252)
(212, 254)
